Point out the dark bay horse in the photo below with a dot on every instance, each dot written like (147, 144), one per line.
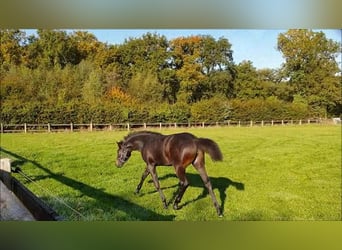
(178, 150)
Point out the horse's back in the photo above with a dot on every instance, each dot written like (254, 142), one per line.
(180, 140)
(184, 136)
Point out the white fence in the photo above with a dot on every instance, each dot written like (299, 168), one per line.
(74, 127)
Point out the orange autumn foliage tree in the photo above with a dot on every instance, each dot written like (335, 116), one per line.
(117, 95)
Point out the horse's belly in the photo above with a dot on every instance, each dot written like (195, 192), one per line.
(163, 162)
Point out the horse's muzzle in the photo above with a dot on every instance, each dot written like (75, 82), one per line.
(119, 164)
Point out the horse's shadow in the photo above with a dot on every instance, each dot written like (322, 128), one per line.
(103, 200)
(220, 183)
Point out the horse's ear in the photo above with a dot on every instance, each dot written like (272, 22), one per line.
(119, 143)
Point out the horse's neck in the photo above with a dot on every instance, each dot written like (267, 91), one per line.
(137, 141)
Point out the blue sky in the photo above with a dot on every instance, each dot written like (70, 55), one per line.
(258, 46)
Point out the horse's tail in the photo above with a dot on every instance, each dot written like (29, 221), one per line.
(210, 147)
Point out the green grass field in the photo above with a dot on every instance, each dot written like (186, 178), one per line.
(268, 173)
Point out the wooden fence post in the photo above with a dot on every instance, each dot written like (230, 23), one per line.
(251, 124)
(49, 128)
(6, 165)
(71, 127)
(5, 171)
(2, 128)
(127, 126)
(25, 128)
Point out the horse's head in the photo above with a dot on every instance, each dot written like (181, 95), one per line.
(123, 154)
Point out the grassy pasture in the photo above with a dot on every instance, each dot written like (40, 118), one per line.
(268, 173)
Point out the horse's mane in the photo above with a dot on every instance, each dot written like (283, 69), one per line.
(132, 134)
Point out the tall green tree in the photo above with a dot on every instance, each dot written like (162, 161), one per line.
(86, 44)
(11, 49)
(168, 78)
(57, 48)
(217, 63)
(146, 88)
(216, 55)
(185, 60)
(92, 90)
(204, 67)
(137, 55)
(311, 67)
(247, 83)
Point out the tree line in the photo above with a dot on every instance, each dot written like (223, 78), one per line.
(57, 77)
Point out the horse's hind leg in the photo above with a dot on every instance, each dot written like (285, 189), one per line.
(199, 165)
(143, 177)
(207, 184)
(183, 184)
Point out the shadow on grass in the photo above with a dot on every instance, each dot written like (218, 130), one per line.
(220, 183)
(133, 211)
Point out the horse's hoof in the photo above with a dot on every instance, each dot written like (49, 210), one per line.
(175, 207)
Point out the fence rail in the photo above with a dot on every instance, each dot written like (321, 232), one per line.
(74, 127)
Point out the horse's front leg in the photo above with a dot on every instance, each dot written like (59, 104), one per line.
(153, 172)
(143, 177)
